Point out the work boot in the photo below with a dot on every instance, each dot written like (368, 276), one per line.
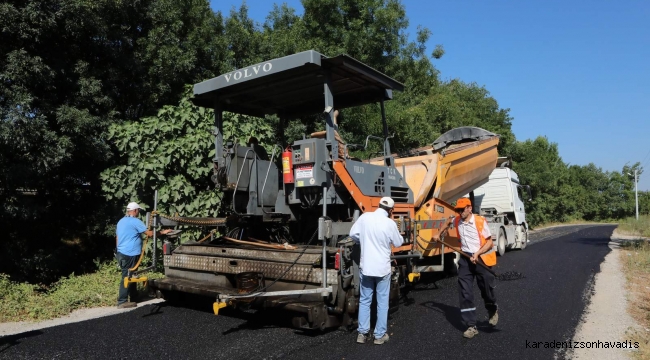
(126, 305)
(494, 319)
(470, 332)
(361, 338)
(381, 340)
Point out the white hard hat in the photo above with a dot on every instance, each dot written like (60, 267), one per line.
(387, 202)
(133, 206)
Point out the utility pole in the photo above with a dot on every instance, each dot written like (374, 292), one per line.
(636, 194)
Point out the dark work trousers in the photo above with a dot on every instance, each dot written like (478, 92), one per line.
(126, 262)
(486, 283)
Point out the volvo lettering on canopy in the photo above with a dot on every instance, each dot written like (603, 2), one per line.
(248, 72)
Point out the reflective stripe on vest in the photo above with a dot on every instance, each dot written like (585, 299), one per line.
(490, 257)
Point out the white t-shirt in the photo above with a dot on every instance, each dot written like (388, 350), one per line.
(376, 232)
(468, 232)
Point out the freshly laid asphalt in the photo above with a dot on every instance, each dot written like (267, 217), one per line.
(545, 306)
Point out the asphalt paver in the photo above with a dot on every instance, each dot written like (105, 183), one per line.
(536, 314)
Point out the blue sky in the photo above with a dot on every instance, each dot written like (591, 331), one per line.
(575, 71)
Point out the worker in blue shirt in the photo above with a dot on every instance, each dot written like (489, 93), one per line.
(375, 232)
(129, 247)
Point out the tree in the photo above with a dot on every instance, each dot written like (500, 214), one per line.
(283, 33)
(244, 41)
(172, 152)
(372, 31)
(589, 183)
(448, 105)
(538, 164)
(562, 193)
(68, 70)
(644, 202)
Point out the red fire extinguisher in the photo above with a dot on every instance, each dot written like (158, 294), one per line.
(287, 166)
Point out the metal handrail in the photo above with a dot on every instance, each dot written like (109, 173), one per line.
(238, 178)
(381, 139)
(371, 137)
(354, 146)
(267, 177)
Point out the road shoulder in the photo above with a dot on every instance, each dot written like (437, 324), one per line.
(12, 328)
(606, 319)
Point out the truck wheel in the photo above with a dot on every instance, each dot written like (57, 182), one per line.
(523, 235)
(501, 243)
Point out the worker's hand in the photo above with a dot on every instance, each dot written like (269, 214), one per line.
(474, 258)
(166, 231)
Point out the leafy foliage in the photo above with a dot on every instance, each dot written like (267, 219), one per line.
(68, 70)
(449, 105)
(563, 193)
(172, 152)
(74, 67)
(169, 152)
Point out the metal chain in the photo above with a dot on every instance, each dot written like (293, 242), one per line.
(186, 221)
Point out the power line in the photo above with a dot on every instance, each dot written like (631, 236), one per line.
(646, 163)
(646, 156)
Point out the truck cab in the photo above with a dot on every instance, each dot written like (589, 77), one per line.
(501, 201)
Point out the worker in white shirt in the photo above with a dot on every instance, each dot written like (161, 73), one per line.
(375, 232)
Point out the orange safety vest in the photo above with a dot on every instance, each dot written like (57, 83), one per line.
(490, 257)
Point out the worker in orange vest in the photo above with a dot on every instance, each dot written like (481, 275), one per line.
(476, 241)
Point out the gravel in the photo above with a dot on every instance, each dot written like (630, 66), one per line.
(606, 319)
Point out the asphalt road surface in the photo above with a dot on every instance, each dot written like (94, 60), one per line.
(546, 305)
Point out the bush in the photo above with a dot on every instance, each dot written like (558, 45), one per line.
(28, 302)
(632, 226)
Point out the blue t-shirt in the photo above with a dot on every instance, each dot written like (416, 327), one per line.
(128, 231)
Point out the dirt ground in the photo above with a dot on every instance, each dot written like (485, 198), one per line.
(606, 318)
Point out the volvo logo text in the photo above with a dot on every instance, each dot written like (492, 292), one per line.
(248, 72)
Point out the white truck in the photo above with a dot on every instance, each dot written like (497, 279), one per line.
(500, 201)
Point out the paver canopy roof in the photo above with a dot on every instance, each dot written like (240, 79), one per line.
(293, 85)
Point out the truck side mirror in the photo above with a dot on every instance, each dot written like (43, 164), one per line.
(530, 196)
(527, 188)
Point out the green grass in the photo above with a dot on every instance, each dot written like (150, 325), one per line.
(29, 302)
(638, 256)
(636, 262)
(632, 226)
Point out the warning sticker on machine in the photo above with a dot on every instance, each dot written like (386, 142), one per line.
(304, 172)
